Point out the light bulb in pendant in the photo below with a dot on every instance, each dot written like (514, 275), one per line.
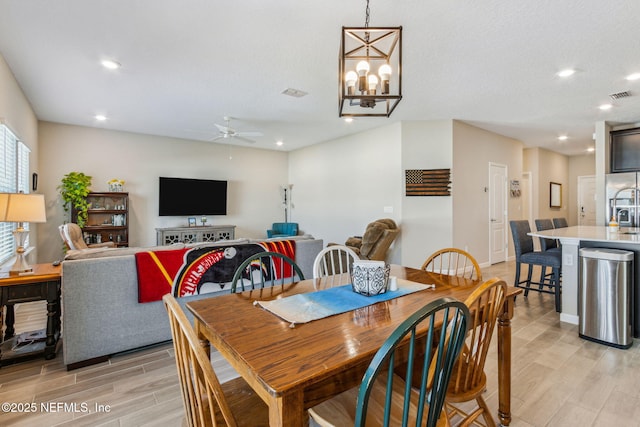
(362, 68)
(385, 75)
(373, 84)
(350, 79)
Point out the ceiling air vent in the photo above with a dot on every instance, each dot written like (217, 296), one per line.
(296, 93)
(619, 95)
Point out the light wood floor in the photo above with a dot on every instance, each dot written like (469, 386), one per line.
(558, 379)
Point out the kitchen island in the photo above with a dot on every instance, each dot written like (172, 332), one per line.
(574, 238)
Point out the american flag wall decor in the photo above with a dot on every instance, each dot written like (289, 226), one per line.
(428, 182)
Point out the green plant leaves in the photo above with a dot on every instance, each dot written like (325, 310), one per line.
(74, 189)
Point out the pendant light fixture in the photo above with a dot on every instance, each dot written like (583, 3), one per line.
(370, 70)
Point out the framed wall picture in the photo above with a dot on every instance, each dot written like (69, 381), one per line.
(555, 195)
(192, 221)
(514, 188)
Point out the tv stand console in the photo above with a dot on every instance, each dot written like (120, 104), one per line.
(207, 233)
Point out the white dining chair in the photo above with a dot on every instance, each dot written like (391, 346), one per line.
(334, 259)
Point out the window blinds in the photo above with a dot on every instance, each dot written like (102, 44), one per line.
(14, 177)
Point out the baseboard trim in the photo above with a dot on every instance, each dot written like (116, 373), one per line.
(100, 359)
(488, 263)
(569, 318)
(88, 362)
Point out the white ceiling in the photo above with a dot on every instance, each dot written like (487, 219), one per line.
(186, 64)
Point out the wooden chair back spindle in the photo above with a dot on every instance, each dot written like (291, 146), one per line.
(453, 262)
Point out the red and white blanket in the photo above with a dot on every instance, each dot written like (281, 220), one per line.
(184, 272)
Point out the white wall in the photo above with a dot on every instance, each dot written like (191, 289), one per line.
(546, 167)
(427, 221)
(254, 178)
(602, 140)
(473, 150)
(582, 165)
(341, 185)
(16, 111)
(553, 167)
(17, 114)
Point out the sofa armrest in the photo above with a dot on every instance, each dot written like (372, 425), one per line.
(102, 245)
(354, 242)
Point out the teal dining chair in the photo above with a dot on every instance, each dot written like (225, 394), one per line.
(265, 269)
(384, 397)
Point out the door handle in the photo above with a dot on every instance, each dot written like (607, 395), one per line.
(493, 220)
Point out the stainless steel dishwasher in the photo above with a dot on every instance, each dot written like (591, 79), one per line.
(605, 296)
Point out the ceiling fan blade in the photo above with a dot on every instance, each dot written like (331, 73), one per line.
(218, 138)
(224, 129)
(249, 133)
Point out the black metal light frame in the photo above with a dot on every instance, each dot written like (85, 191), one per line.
(376, 45)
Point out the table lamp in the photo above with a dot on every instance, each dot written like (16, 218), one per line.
(21, 208)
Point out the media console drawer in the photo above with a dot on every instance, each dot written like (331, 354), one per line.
(211, 233)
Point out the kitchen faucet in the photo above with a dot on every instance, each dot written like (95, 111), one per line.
(615, 200)
(620, 213)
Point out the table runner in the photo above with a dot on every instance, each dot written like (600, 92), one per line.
(304, 308)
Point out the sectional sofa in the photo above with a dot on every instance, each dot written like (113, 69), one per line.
(100, 308)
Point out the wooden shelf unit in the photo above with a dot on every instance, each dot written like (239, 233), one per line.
(107, 217)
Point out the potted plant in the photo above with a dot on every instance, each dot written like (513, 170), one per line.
(74, 189)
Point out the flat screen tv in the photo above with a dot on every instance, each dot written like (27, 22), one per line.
(625, 150)
(186, 197)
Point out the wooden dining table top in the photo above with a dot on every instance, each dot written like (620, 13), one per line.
(314, 360)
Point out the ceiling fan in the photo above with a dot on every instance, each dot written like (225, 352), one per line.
(226, 132)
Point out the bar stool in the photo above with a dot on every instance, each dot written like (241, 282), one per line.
(546, 244)
(560, 222)
(523, 245)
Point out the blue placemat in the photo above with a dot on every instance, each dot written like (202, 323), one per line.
(303, 308)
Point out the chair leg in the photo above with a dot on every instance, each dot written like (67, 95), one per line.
(556, 281)
(528, 284)
(543, 275)
(486, 414)
(517, 280)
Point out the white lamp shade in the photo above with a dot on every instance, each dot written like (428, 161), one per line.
(19, 207)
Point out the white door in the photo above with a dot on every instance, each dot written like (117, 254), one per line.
(497, 213)
(587, 200)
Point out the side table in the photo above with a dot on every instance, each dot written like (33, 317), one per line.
(43, 284)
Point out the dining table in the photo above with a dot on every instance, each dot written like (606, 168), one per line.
(294, 367)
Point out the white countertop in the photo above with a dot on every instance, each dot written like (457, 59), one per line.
(591, 233)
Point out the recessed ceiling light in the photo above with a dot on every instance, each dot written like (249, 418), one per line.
(279, 143)
(110, 64)
(634, 76)
(563, 137)
(591, 149)
(100, 117)
(348, 119)
(605, 107)
(566, 73)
